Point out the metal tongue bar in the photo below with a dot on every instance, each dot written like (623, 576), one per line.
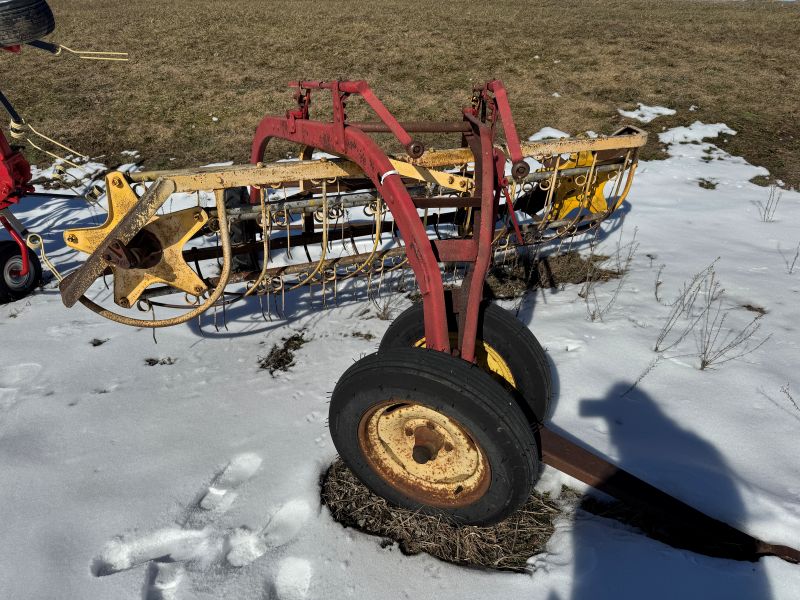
(683, 526)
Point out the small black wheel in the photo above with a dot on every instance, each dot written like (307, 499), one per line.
(433, 433)
(508, 351)
(12, 285)
(23, 21)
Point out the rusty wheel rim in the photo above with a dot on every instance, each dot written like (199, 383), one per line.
(423, 453)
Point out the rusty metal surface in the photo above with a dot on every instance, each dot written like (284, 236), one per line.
(415, 126)
(629, 137)
(262, 174)
(424, 453)
(143, 252)
(693, 529)
(275, 174)
(172, 232)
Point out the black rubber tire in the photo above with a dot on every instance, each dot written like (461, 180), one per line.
(23, 21)
(11, 289)
(462, 392)
(511, 339)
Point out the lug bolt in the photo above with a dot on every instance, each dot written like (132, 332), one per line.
(72, 238)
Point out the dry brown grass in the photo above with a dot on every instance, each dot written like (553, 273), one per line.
(513, 279)
(194, 58)
(507, 545)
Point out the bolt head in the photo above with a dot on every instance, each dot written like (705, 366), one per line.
(116, 182)
(124, 303)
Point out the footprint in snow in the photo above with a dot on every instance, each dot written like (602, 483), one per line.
(14, 377)
(221, 493)
(168, 549)
(70, 328)
(163, 580)
(172, 544)
(247, 546)
(292, 579)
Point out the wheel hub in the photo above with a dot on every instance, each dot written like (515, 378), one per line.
(424, 453)
(11, 274)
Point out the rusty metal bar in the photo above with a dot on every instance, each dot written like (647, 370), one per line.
(344, 261)
(628, 137)
(279, 243)
(415, 126)
(693, 529)
(542, 175)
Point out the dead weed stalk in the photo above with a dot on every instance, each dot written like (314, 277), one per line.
(623, 257)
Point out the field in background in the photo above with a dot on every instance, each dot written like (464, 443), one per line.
(194, 59)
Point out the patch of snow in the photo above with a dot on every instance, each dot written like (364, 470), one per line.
(293, 579)
(645, 113)
(546, 133)
(592, 134)
(556, 95)
(246, 547)
(696, 132)
(287, 522)
(129, 168)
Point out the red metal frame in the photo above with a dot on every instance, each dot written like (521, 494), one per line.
(347, 140)
(15, 176)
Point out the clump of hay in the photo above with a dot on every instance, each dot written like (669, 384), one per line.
(281, 358)
(513, 279)
(506, 545)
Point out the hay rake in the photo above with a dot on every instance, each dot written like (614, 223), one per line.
(447, 416)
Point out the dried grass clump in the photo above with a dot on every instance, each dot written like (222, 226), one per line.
(506, 545)
(512, 280)
(281, 358)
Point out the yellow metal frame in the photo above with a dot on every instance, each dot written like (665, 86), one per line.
(565, 194)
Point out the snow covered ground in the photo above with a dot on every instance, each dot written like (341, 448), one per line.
(107, 462)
